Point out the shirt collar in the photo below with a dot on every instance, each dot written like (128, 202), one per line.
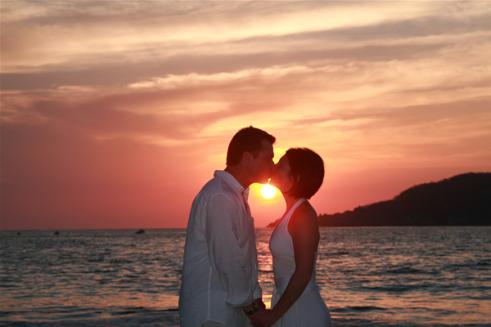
(232, 182)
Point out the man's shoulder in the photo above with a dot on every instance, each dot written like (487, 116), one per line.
(213, 188)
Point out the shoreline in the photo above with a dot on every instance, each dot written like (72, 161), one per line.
(170, 318)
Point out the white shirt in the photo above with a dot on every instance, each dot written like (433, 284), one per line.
(219, 274)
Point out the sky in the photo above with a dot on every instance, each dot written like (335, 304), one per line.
(115, 113)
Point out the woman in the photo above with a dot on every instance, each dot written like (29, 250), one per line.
(296, 299)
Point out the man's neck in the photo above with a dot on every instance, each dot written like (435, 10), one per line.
(239, 176)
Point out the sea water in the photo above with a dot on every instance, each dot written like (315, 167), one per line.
(368, 276)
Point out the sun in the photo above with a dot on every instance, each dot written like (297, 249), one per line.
(268, 191)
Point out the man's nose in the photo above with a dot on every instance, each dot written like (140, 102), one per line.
(273, 168)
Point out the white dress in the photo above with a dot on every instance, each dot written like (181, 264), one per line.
(309, 310)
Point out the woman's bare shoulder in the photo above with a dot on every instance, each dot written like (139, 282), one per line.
(304, 217)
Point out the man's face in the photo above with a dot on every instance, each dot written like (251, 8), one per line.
(262, 166)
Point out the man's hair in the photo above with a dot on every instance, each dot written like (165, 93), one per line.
(248, 139)
(307, 169)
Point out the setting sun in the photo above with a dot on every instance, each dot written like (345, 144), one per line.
(268, 191)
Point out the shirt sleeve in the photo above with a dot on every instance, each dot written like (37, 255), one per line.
(225, 252)
(258, 292)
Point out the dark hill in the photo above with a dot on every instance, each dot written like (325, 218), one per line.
(460, 200)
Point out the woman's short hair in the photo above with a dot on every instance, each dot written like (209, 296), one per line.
(248, 139)
(307, 169)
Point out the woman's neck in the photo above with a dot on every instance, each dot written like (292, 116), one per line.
(290, 201)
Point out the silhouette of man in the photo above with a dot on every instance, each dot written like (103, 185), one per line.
(220, 273)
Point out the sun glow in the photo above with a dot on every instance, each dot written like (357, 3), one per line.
(268, 191)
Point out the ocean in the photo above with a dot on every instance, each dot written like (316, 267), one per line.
(368, 276)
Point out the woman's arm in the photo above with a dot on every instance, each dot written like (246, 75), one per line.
(305, 235)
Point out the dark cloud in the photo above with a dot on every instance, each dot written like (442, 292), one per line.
(391, 30)
(147, 112)
(117, 69)
(122, 73)
(470, 110)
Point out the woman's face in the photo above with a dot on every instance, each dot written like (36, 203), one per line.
(282, 177)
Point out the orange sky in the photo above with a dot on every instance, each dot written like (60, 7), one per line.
(114, 114)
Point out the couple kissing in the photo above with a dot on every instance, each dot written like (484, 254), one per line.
(219, 285)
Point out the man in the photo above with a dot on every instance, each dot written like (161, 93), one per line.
(219, 278)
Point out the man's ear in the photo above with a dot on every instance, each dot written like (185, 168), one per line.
(247, 157)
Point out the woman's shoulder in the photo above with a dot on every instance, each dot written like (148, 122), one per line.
(305, 216)
(305, 209)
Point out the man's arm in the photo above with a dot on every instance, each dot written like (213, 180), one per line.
(258, 303)
(233, 267)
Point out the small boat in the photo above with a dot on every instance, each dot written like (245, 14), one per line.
(140, 231)
(56, 233)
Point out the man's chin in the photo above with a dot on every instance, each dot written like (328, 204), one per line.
(262, 180)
